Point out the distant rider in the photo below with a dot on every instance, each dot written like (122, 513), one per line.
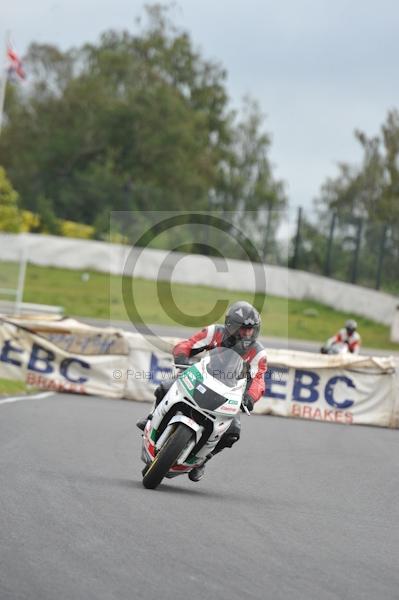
(240, 332)
(347, 335)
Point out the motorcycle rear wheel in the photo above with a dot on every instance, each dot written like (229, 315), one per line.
(167, 456)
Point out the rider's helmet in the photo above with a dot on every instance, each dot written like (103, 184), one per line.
(350, 326)
(242, 325)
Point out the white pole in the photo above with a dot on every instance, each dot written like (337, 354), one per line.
(3, 83)
(21, 277)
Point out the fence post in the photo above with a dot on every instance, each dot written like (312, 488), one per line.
(327, 266)
(357, 252)
(297, 239)
(381, 256)
(266, 242)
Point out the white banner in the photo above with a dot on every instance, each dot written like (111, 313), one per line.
(41, 360)
(65, 355)
(149, 365)
(341, 389)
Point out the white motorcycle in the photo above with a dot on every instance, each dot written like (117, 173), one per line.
(192, 417)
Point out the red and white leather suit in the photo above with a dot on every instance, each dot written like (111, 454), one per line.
(214, 336)
(353, 341)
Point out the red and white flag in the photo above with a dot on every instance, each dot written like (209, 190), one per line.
(15, 64)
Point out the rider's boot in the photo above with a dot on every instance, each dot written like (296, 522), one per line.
(198, 472)
(226, 441)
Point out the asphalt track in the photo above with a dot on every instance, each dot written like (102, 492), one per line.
(297, 510)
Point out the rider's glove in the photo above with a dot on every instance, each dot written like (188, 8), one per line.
(248, 402)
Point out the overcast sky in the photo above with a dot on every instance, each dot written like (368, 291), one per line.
(318, 68)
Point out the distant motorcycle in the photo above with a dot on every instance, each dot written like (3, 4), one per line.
(192, 417)
(334, 348)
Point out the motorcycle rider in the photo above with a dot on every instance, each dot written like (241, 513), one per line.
(240, 332)
(347, 335)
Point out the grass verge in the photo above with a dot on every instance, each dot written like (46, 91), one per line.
(98, 295)
(9, 387)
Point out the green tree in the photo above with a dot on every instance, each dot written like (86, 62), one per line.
(247, 185)
(48, 222)
(370, 190)
(10, 217)
(137, 122)
(366, 194)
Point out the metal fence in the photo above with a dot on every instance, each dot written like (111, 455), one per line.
(347, 249)
(352, 250)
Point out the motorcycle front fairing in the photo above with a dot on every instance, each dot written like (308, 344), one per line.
(335, 347)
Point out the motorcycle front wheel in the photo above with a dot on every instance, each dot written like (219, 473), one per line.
(167, 456)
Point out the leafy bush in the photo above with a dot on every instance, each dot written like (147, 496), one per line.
(10, 216)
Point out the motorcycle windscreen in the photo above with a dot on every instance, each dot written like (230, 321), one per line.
(226, 366)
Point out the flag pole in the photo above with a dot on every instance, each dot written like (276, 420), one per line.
(3, 83)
